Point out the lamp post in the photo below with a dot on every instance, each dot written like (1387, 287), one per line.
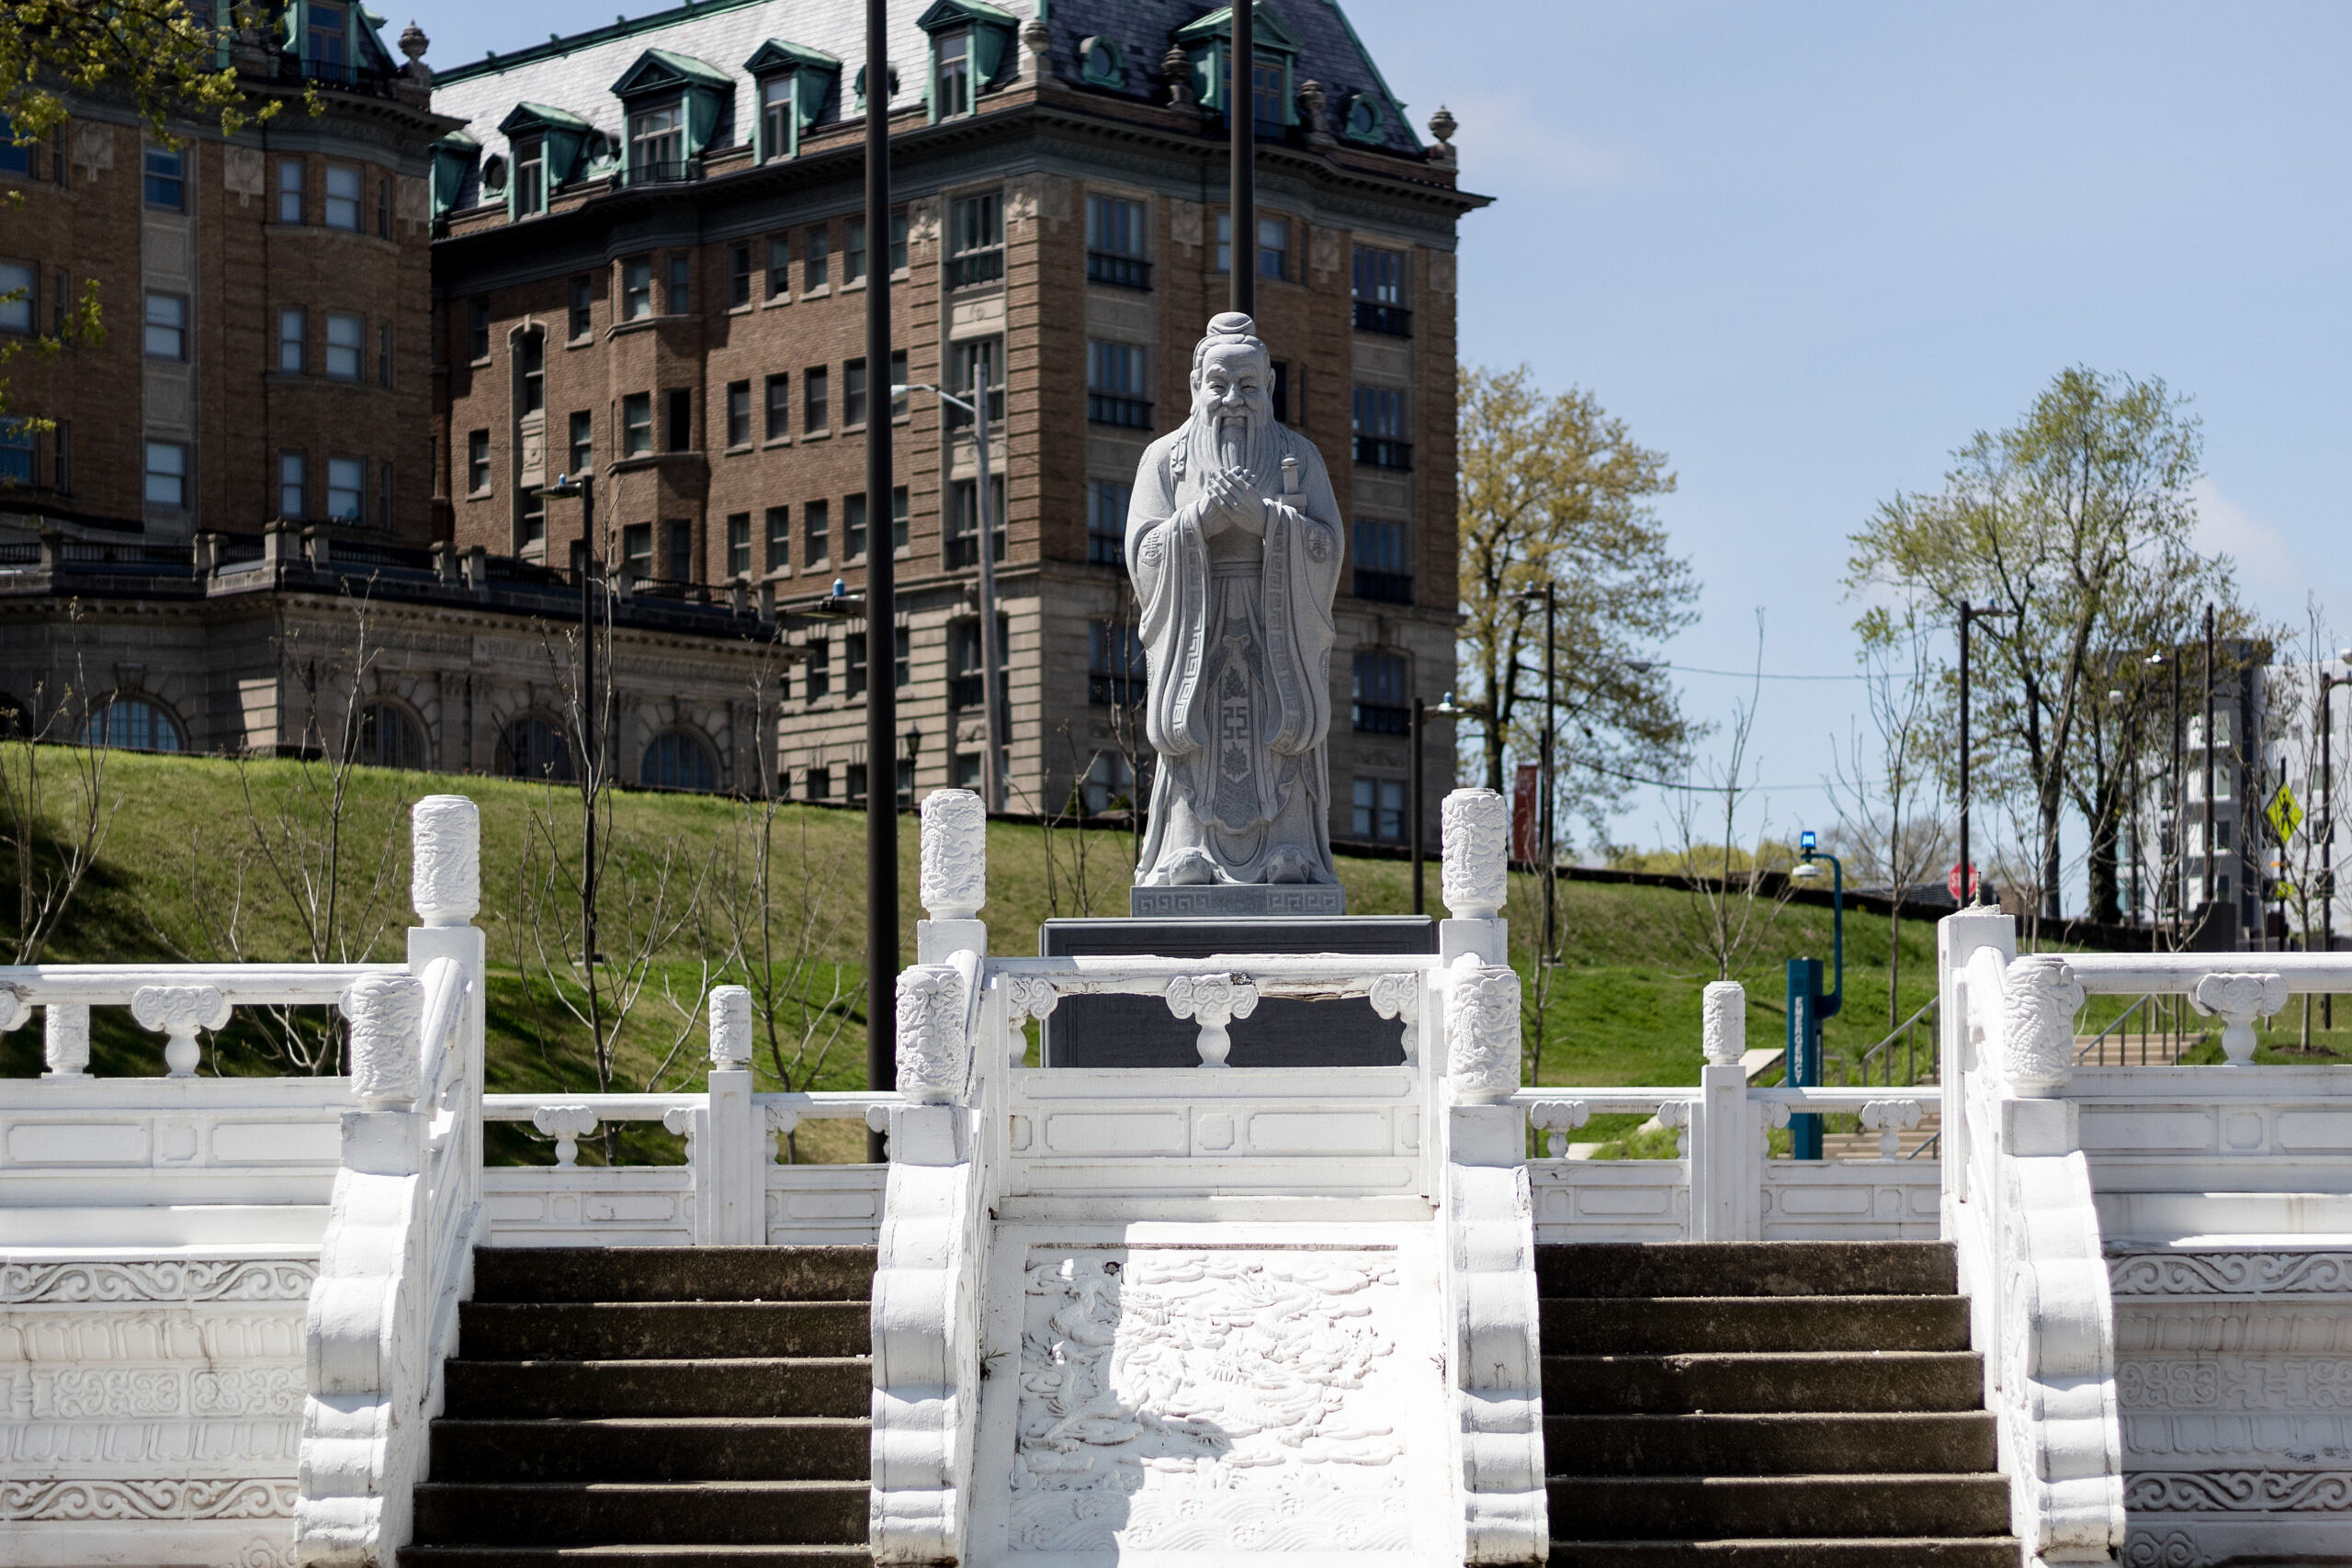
(1969, 883)
(914, 749)
(2206, 890)
(1241, 171)
(881, 593)
(993, 765)
(2328, 681)
(1808, 1007)
(583, 555)
(1445, 709)
(1548, 597)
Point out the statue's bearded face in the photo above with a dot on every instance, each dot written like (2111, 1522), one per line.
(1230, 398)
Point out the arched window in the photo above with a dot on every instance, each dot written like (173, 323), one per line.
(678, 760)
(388, 738)
(532, 748)
(133, 724)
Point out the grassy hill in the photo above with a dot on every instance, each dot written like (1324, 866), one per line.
(210, 858)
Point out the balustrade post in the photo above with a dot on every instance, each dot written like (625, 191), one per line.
(730, 1165)
(1958, 939)
(954, 877)
(445, 889)
(1727, 1134)
(1475, 875)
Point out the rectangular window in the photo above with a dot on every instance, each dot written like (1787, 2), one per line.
(682, 552)
(679, 295)
(816, 520)
(384, 355)
(857, 783)
(476, 463)
(853, 251)
(344, 189)
(974, 364)
(18, 445)
(739, 414)
(583, 298)
(739, 544)
(1383, 700)
(637, 424)
(778, 119)
(739, 276)
(1117, 391)
(779, 521)
(779, 267)
(964, 520)
(1106, 522)
(325, 40)
(656, 144)
(166, 335)
(19, 298)
(581, 454)
(1383, 572)
(292, 207)
(951, 74)
(60, 471)
(636, 288)
(678, 420)
(533, 522)
(898, 517)
(166, 474)
(901, 658)
(346, 336)
(293, 476)
(530, 178)
(779, 415)
(637, 549)
(15, 158)
(1269, 94)
(1378, 287)
(1379, 428)
(818, 685)
(820, 784)
(1115, 664)
(816, 265)
(477, 330)
(1225, 241)
(854, 393)
(531, 370)
(899, 242)
(898, 380)
(1379, 811)
(166, 182)
(853, 527)
(384, 207)
(854, 672)
(976, 240)
(1274, 247)
(1114, 242)
(346, 489)
(816, 399)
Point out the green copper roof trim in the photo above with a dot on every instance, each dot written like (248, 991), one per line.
(945, 13)
(685, 67)
(526, 115)
(1266, 29)
(556, 49)
(776, 54)
(1373, 65)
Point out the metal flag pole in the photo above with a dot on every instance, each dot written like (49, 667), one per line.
(1240, 118)
(881, 596)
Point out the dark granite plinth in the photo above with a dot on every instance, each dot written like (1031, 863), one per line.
(1139, 1031)
(1246, 900)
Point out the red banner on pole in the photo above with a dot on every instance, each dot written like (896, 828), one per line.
(1526, 815)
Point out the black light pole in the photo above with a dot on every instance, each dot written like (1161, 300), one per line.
(2207, 888)
(881, 596)
(1413, 801)
(1548, 596)
(2328, 681)
(2178, 874)
(1240, 117)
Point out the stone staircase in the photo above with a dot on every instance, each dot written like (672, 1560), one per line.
(1769, 1404)
(631, 1407)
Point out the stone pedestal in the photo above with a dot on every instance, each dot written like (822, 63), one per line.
(1139, 1031)
(1249, 900)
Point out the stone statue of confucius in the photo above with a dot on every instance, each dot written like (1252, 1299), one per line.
(1234, 542)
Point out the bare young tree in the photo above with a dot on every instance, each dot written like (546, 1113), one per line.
(1890, 799)
(1729, 910)
(54, 812)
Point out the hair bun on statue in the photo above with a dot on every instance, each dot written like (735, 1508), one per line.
(1228, 328)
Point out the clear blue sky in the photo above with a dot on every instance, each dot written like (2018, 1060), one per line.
(1808, 248)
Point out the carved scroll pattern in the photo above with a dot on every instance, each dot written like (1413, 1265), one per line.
(933, 1051)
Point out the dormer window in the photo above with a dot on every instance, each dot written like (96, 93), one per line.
(326, 40)
(656, 142)
(530, 178)
(1209, 41)
(952, 75)
(777, 114)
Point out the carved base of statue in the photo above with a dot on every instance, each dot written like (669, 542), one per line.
(1231, 900)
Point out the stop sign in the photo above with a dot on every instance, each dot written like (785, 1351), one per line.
(1951, 881)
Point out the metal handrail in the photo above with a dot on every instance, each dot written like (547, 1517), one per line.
(2082, 1052)
(1882, 1053)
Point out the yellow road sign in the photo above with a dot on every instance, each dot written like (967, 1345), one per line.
(2285, 815)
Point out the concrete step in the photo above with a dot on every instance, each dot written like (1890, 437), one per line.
(1893, 1551)
(705, 1513)
(1746, 1268)
(1607, 1325)
(674, 1274)
(1738, 1381)
(664, 1330)
(636, 1557)
(672, 1449)
(1687, 1507)
(1809, 1443)
(837, 1385)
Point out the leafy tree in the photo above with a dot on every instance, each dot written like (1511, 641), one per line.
(2074, 528)
(1555, 489)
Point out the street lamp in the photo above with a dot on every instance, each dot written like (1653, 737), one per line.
(2328, 681)
(1808, 1009)
(914, 748)
(991, 767)
(1968, 879)
(1445, 709)
(1548, 597)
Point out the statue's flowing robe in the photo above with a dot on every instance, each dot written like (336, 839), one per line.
(1238, 634)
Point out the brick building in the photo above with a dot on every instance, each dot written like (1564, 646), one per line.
(654, 264)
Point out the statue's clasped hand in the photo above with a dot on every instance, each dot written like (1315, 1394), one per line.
(1232, 501)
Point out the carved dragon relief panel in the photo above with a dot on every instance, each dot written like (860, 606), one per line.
(1151, 1378)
